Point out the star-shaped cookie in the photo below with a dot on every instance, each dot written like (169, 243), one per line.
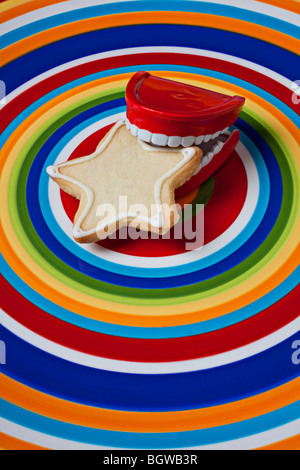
(125, 182)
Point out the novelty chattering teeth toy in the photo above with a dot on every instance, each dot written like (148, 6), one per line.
(168, 113)
(174, 137)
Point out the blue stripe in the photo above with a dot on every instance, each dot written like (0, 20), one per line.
(136, 392)
(134, 440)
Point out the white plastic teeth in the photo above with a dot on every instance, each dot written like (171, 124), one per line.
(207, 158)
(163, 140)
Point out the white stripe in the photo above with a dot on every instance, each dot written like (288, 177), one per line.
(44, 440)
(95, 362)
(257, 441)
(169, 261)
(55, 443)
(155, 49)
(63, 7)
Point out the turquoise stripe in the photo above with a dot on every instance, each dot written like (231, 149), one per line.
(132, 440)
(149, 333)
(125, 7)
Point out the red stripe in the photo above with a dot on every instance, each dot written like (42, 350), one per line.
(149, 350)
(14, 108)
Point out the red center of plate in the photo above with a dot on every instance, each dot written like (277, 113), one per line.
(223, 207)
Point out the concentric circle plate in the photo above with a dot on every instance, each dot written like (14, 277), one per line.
(145, 344)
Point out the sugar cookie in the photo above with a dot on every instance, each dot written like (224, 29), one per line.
(125, 182)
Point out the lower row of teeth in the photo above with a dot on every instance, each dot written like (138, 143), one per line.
(163, 140)
(207, 158)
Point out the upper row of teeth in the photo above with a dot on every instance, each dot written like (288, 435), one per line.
(171, 141)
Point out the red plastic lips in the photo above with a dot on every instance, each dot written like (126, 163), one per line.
(211, 168)
(168, 113)
(171, 108)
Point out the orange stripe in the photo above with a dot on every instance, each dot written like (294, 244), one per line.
(110, 21)
(291, 5)
(11, 443)
(293, 443)
(188, 198)
(83, 415)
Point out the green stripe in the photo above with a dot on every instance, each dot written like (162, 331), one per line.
(203, 196)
